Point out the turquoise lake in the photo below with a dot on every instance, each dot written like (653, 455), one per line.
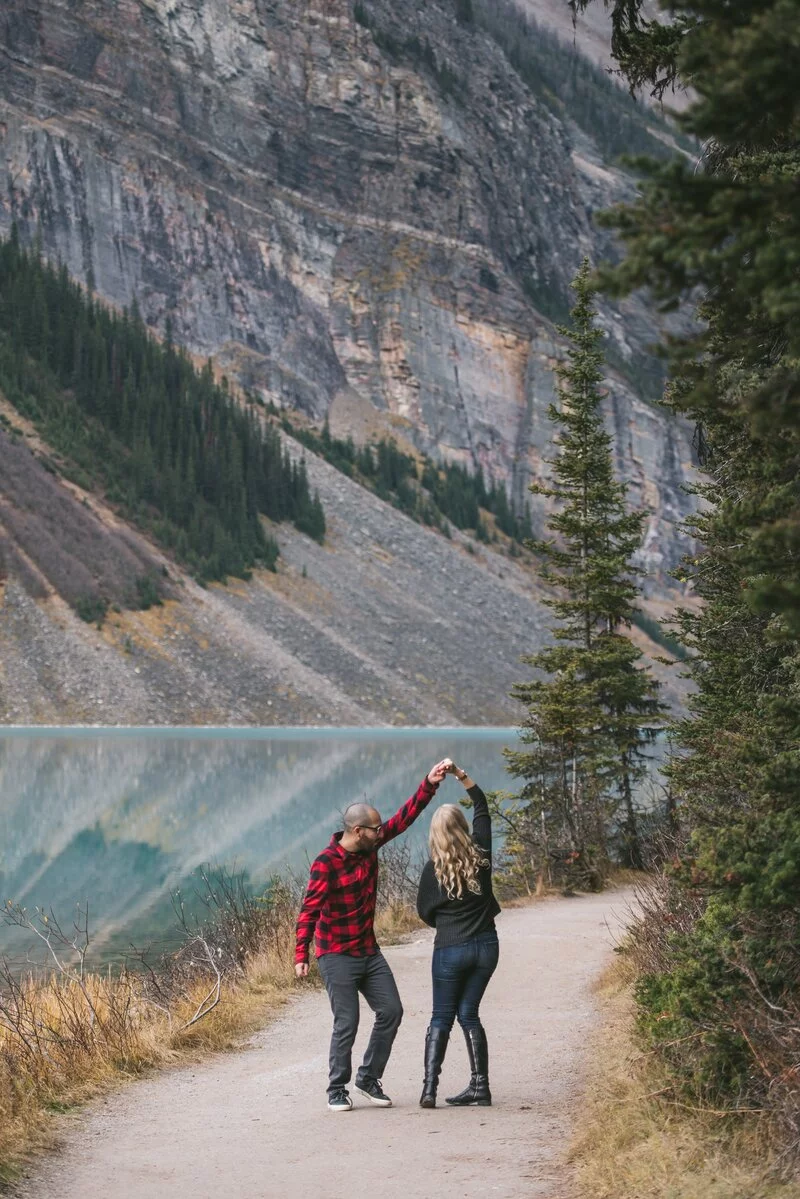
(122, 818)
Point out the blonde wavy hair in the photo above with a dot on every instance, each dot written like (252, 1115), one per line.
(456, 858)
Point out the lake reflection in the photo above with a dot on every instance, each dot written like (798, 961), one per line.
(122, 819)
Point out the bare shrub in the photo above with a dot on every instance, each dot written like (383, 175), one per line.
(770, 1027)
(237, 928)
(398, 875)
(536, 856)
(398, 879)
(662, 909)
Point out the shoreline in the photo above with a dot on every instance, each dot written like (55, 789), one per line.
(267, 730)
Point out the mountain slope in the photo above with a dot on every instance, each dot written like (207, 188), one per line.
(343, 212)
(386, 623)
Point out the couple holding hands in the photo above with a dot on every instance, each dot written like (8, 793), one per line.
(455, 897)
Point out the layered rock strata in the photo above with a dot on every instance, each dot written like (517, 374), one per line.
(325, 218)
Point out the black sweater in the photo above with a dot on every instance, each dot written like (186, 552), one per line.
(458, 920)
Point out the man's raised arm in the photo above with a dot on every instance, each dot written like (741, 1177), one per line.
(314, 901)
(417, 804)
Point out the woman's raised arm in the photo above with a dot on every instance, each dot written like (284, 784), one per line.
(481, 820)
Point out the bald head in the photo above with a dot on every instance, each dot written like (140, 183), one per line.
(360, 815)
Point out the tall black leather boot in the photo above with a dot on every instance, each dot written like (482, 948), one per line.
(435, 1048)
(477, 1092)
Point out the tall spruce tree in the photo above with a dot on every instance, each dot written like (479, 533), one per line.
(721, 995)
(589, 721)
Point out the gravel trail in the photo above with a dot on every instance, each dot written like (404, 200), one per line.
(254, 1123)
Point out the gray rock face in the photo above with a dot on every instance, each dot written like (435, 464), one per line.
(318, 216)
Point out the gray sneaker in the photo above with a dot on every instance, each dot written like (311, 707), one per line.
(339, 1101)
(371, 1089)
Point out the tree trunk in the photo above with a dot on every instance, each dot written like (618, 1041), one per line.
(633, 843)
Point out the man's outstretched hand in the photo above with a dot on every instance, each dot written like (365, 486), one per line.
(437, 772)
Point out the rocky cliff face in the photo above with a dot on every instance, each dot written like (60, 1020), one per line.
(339, 221)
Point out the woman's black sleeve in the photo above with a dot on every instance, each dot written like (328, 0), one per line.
(481, 820)
(427, 896)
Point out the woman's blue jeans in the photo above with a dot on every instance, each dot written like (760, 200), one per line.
(461, 974)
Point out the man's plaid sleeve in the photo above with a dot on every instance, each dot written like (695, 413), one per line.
(410, 810)
(313, 903)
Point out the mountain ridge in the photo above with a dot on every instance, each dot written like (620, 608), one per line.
(323, 214)
(343, 236)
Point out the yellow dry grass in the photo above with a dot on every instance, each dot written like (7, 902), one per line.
(394, 921)
(631, 1144)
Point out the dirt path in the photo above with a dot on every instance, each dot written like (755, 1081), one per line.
(254, 1125)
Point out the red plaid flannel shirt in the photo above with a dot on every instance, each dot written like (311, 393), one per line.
(340, 900)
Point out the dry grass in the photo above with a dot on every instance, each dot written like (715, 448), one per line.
(395, 922)
(633, 1144)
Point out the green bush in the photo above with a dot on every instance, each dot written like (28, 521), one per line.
(92, 609)
(147, 593)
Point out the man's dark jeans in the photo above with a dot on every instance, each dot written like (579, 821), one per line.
(346, 977)
(461, 974)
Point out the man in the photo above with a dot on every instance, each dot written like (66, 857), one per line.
(340, 904)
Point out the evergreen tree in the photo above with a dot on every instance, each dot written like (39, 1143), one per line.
(589, 721)
(186, 461)
(722, 1004)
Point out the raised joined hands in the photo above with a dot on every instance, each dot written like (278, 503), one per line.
(437, 772)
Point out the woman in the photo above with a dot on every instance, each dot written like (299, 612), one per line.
(455, 897)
